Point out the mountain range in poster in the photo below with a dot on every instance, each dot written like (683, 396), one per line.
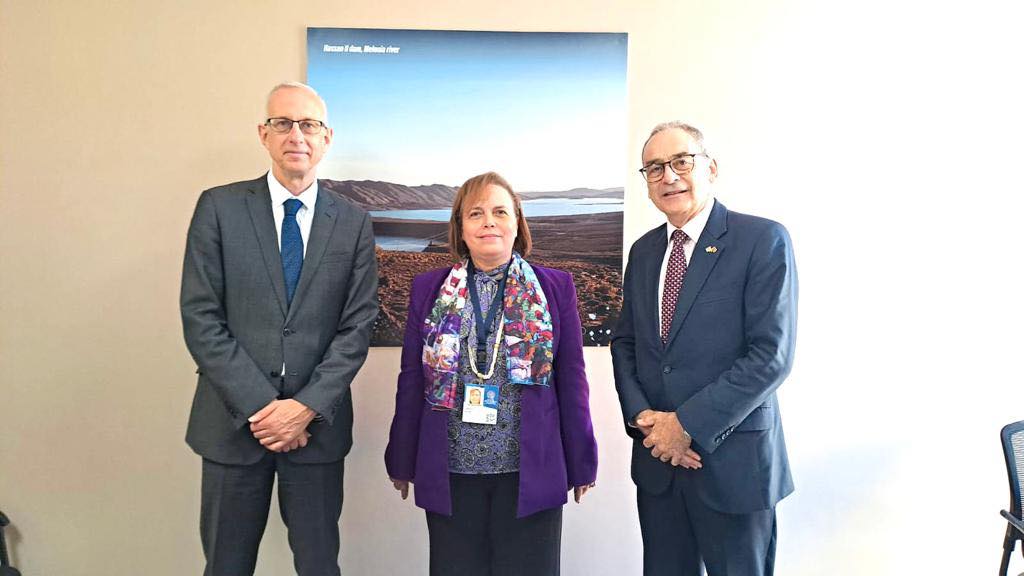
(580, 232)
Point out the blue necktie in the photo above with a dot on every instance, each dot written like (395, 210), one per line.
(291, 246)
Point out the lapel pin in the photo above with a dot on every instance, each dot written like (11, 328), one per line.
(711, 249)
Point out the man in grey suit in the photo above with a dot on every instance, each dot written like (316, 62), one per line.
(278, 298)
(705, 338)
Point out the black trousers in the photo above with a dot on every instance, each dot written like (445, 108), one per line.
(483, 537)
(235, 502)
(682, 536)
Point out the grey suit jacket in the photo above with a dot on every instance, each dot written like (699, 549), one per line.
(240, 329)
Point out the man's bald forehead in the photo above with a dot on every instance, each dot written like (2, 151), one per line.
(297, 86)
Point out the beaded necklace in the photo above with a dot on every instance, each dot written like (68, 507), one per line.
(494, 356)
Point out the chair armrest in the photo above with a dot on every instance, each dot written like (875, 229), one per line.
(1013, 520)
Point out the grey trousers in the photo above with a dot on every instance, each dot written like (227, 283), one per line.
(235, 502)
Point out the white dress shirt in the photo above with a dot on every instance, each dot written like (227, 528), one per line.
(304, 217)
(693, 230)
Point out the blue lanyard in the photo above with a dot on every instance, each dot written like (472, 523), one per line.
(485, 325)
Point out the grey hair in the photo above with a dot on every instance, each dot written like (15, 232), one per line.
(298, 86)
(697, 135)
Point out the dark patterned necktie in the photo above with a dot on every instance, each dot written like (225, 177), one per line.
(291, 246)
(674, 274)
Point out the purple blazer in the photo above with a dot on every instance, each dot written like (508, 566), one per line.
(557, 449)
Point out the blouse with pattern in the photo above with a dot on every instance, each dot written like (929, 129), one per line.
(484, 448)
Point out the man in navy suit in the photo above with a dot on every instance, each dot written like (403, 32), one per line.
(706, 336)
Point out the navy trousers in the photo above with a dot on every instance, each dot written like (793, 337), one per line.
(683, 536)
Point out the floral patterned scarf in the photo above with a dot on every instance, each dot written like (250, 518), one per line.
(528, 332)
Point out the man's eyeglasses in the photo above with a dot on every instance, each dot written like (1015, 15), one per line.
(284, 125)
(681, 164)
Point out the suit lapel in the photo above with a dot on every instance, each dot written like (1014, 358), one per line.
(324, 217)
(700, 266)
(651, 274)
(262, 216)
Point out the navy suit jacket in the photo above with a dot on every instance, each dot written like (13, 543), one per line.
(730, 347)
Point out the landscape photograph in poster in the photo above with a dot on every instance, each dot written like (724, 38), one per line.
(416, 113)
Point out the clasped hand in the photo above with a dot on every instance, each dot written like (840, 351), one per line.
(665, 436)
(281, 425)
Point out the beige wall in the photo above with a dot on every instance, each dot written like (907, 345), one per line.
(885, 135)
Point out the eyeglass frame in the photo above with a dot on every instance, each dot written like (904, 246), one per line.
(292, 123)
(668, 164)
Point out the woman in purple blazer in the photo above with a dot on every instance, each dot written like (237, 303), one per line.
(492, 416)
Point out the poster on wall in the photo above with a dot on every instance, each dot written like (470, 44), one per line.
(417, 112)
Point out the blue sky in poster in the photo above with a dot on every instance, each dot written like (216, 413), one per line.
(547, 110)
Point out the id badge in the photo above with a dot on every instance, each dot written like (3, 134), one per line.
(480, 404)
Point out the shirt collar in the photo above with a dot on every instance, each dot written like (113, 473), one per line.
(278, 193)
(493, 275)
(695, 227)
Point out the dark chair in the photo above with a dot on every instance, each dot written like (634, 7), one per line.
(1012, 436)
(5, 567)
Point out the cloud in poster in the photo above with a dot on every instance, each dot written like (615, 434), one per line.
(424, 107)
